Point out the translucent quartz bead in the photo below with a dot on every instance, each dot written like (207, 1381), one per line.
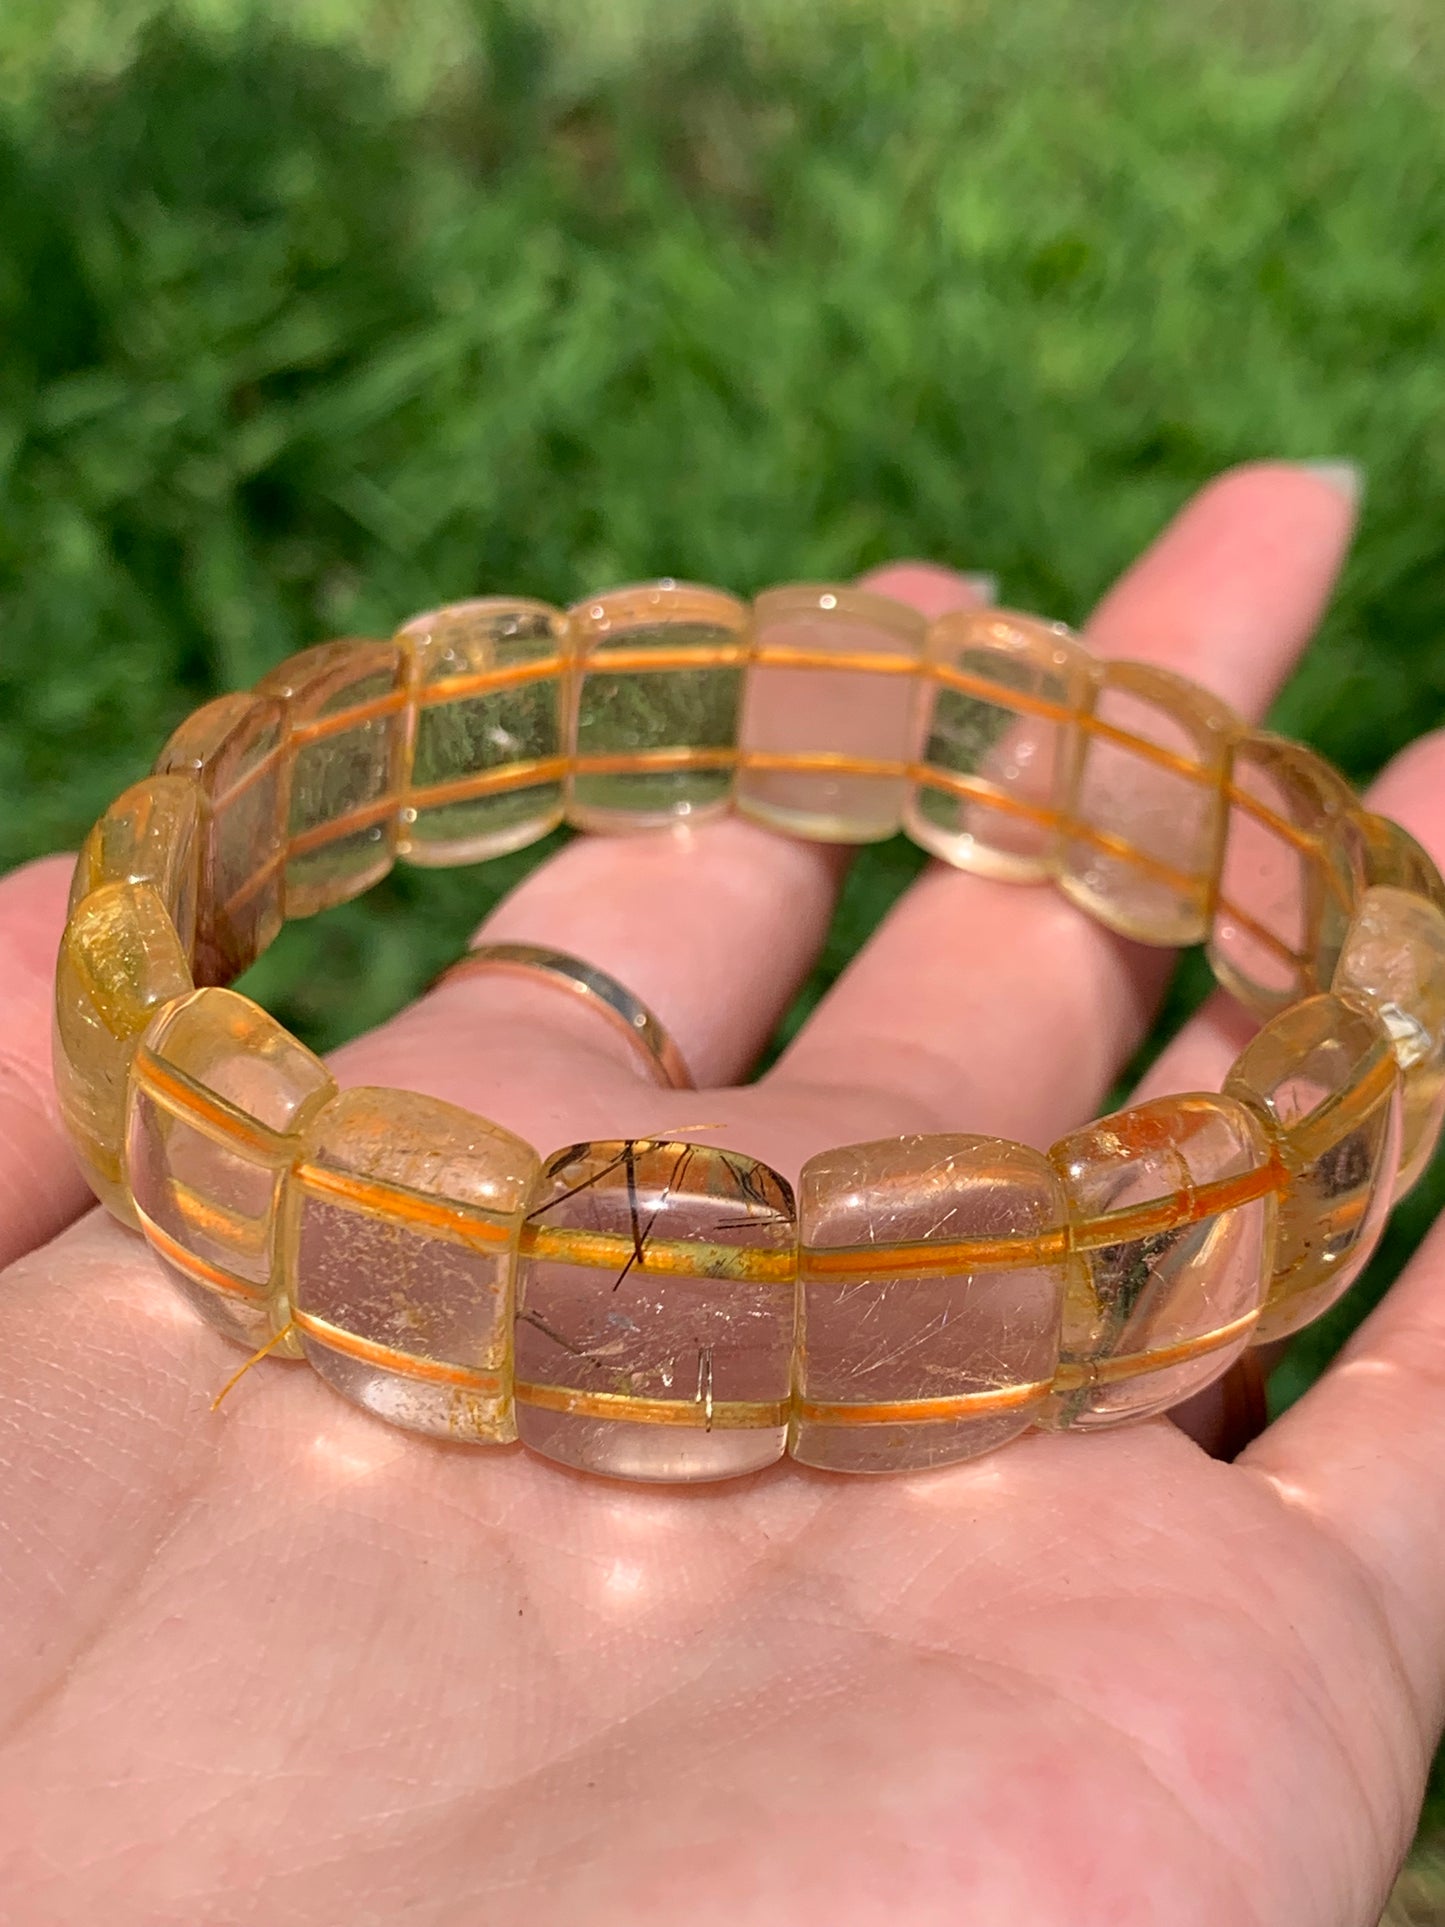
(490, 680)
(218, 1094)
(1141, 851)
(1173, 1204)
(150, 834)
(120, 959)
(931, 1276)
(660, 670)
(655, 1312)
(830, 713)
(232, 749)
(1394, 958)
(1390, 855)
(1323, 1076)
(346, 737)
(402, 1223)
(1288, 877)
(1000, 735)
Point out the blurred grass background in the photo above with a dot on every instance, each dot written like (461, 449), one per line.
(312, 316)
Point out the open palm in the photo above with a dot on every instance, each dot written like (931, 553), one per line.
(281, 1664)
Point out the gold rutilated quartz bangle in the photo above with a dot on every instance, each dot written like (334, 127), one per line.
(434, 1270)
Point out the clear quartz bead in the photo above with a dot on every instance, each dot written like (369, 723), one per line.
(1173, 1205)
(655, 1311)
(402, 1220)
(1323, 1078)
(932, 1272)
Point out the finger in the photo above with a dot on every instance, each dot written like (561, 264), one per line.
(41, 1189)
(1360, 1455)
(1000, 1009)
(713, 928)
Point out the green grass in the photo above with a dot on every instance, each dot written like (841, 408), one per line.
(314, 316)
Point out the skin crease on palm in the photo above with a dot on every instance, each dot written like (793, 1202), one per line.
(283, 1665)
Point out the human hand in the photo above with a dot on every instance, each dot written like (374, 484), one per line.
(282, 1666)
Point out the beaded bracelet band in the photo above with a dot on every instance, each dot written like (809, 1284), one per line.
(663, 1310)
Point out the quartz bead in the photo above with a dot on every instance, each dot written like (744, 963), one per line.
(660, 670)
(1000, 738)
(1288, 876)
(346, 739)
(1389, 855)
(1323, 1076)
(932, 1272)
(120, 960)
(402, 1221)
(218, 1094)
(655, 1311)
(1173, 1207)
(490, 680)
(1141, 851)
(1394, 958)
(831, 713)
(150, 834)
(231, 748)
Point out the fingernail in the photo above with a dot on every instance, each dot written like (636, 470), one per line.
(985, 587)
(1347, 478)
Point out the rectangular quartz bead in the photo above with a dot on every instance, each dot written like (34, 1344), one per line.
(1393, 958)
(655, 1313)
(1388, 854)
(402, 1221)
(1146, 811)
(231, 748)
(830, 713)
(346, 741)
(490, 683)
(931, 1273)
(1173, 1209)
(660, 672)
(1288, 876)
(219, 1092)
(150, 834)
(120, 960)
(1000, 735)
(1322, 1077)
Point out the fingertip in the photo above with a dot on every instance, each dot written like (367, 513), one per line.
(1411, 790)
(1232, 589)
(930, 588)
(1326, 493)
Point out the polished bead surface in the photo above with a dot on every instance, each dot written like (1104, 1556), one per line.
(1388, 854)
(218, 1092)
(402, 1222)
(346, 727)
(1147, 806)
(1003, 692)
(231, 748)
(932, 1271)
(1173, 1207)
(490, 683)
(120, 960)
(1288, 877)
(1394, 958)
(150, 834)
(831, 713)
(1323, 1075)
(660, 672)
(655, 1311)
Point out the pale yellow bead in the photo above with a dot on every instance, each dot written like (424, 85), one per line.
(219, 1093)
(1394, 958)
(120, 960)
(401, 1238)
